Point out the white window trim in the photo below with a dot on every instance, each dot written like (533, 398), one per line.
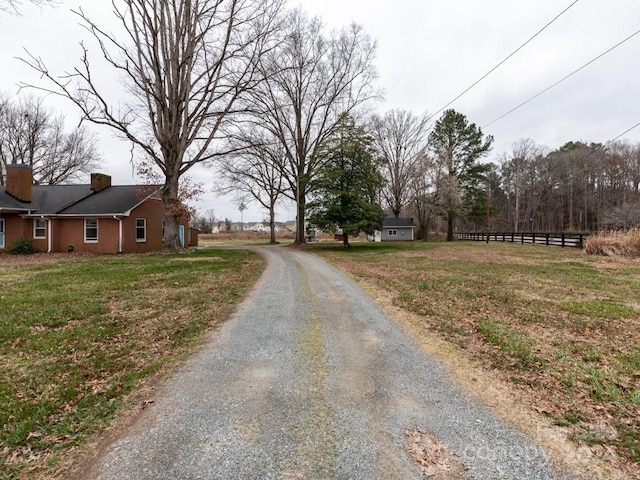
(143, 239)
(392, 232)
(2, 232)
(86, 240)
(35, 229)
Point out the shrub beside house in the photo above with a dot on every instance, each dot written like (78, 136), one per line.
(97, 217)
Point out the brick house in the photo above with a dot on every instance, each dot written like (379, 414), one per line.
(96, 217)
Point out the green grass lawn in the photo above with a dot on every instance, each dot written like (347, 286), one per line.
(559, 325)
(80, 337)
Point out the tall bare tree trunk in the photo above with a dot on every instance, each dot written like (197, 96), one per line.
(172, 213)
(272, 223)
(300, 231)
(450, 219)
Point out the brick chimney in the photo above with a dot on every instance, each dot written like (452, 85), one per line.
(100, 181)
(19, 182)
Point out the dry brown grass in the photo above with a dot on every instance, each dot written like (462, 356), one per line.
(208, 238)
(546, 321)
(611, 244)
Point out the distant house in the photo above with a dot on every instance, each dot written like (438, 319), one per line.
(395, 229)
(95, 217)
(260, 227)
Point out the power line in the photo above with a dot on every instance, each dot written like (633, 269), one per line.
(563, 79)
(504, 60)
(623, 133)
(595, 149)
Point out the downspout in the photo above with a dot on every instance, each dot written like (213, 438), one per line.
(49, 234)
(120, 239)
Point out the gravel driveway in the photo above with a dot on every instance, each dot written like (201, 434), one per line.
(311, 380)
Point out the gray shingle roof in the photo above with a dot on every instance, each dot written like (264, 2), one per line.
(78, 199)
(7, 202)
(113, 200)
(49, 199)
(397, 222)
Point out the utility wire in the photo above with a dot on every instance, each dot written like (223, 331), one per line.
(563, 79)
(505, 59)
(595, 149)
(623, 133)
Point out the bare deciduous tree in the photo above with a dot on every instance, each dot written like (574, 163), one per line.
(422, 194)
(578, 186)
(185, 64)
(205, 222)
(14, 6)
(401, 141)
(31, 135)
(312, 80)
(256, 170)
(514, 173)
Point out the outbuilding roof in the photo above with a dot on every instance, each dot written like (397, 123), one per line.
(397, 222)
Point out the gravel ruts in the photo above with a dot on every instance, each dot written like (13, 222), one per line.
(310, 379)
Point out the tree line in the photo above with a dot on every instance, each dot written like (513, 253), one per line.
(435, 174)
(269, 97)
(577, 187)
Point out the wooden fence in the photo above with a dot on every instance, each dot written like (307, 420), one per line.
(571, 240)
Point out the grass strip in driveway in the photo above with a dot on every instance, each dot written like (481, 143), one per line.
(560, 326)
(80, 336)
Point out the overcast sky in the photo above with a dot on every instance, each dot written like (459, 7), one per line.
(429, 51)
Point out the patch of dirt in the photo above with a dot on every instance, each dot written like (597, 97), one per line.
(435, 460)
(196, 259)
(17, 261)
(465, 254)
(512, 404)
(244, 236)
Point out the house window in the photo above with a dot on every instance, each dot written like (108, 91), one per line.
(141, 229)
(393, 233)
(91, 230)
(39, 228)
(1, 233)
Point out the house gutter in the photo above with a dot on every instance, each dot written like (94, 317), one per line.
(79, 215)
(24, 211)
